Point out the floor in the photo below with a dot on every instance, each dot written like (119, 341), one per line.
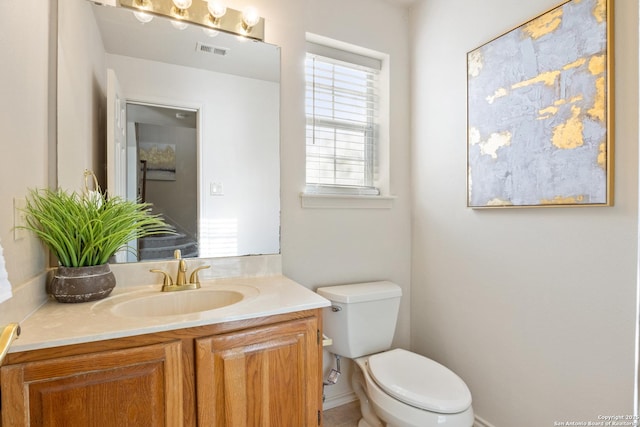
(343, 416)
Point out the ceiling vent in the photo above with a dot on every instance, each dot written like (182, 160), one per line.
(207, 48)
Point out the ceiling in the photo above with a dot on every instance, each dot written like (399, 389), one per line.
(158, 41)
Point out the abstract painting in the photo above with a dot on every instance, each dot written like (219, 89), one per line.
(539, 119)
(161, 160)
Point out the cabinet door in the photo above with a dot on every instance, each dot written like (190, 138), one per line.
(263, 377)
(132, 387)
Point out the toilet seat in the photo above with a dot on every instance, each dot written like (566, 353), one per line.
(419, 381)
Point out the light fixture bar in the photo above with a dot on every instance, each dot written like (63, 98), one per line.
(198, 14)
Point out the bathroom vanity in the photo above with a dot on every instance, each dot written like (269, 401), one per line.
(257, 362)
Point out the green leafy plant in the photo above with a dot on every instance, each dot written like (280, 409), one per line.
(89, 228)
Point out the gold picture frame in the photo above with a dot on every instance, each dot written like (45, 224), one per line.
(540, 111)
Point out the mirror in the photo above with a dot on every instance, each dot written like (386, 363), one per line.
(226, 87)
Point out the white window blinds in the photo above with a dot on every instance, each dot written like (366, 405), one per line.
(341, 111)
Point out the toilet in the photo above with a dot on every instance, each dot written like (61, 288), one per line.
(396, 388)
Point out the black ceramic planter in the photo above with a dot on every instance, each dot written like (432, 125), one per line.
(82, 284)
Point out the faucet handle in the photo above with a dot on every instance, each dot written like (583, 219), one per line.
(177, 254)
(168, 281)
(194, 279)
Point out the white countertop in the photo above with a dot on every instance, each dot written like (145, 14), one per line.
(56, 324)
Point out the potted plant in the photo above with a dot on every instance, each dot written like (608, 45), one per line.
(84, 231)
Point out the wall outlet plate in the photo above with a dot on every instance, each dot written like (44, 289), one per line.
(217, 189)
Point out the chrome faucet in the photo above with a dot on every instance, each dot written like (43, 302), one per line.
(181, 283)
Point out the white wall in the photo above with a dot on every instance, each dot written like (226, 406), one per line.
(533, 308)
(331, 246)
(81, 94)
(24, 125)
(335, 246)
(239, 146)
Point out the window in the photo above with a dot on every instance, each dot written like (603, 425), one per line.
(342, 126)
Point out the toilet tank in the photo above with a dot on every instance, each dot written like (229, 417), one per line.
(362, 317)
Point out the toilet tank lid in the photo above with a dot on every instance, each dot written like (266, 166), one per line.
(361, 292)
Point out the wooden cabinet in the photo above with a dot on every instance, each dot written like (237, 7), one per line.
(263, 377)
(264, 372)
(131, 387)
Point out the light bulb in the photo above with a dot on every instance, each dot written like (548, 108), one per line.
(182, 4)
(143, 17)
(179, 25)
(250, 17)
(217, 9)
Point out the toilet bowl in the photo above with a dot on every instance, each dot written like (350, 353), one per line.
(396, 388)
(433, 396)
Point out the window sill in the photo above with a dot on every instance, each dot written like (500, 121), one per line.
(345, 201)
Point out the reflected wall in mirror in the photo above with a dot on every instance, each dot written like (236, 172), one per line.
(162, 169)
(229, 86)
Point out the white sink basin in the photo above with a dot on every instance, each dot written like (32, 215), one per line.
(160, 304)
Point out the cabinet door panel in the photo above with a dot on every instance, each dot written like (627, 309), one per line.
(265, 377)
(132, 387)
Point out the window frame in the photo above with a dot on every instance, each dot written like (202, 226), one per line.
(367, 128)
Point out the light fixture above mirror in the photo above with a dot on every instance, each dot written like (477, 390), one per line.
(210, 14)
